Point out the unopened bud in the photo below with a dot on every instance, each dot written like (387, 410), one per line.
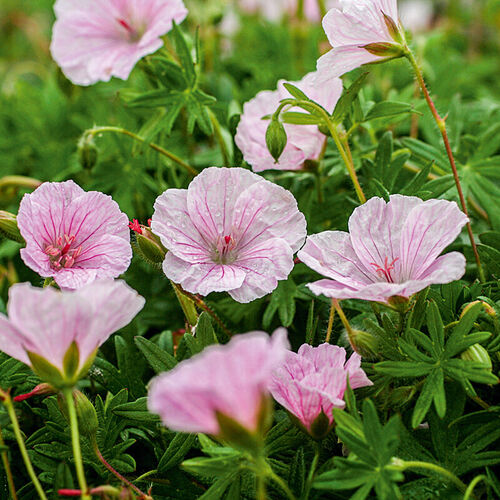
(478, 354)
(276, 138)
(385, 49)
(149, 246)
(85, 412)
(40, 390)
(364, 343)
(394, 30)
(87, 151)
(487, 308)
(8, 227)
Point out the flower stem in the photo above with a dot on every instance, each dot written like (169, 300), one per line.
(416, 464)
(220, 138)
(7, 401)
(187, 305)
(75, 440)
(441, 123)
(281, 483)
(472, 485)
(171, 156)
(113, 471)
(7, 469)
(312, 471)
(343, 318)
(330, 322)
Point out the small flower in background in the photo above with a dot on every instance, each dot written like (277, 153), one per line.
(44, 325)
(310, 383)
(231, 381)
(305, 142)
(273, 10)
(93, 40)
(311, 9)
(360, 32)
(417, 15)
(392, 249)
(72, 235)
(231, 230)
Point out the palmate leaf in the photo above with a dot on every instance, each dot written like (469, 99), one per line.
(433, 357)
(373, 446)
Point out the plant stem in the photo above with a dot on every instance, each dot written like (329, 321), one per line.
(330, 323)
(75, 440)
(117, 474)
(312, 470)
(220, 138)
(343, 318)
(171, 156)
(300, 9)
(416, 464)
(7, 401)
(441, 123)
(187, 305)
(7, 469)
(472, 485)
(281, 483)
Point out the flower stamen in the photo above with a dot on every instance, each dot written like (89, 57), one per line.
(60, 253)
(385, 271)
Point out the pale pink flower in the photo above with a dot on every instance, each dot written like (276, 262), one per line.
(305, 142)
(72, 235)
(311, 9)
(93, 40)
(313, 381)
(272, 10)
(231, 230)
(45, 321)
(352, 27)
(392, 249)
(230, 379)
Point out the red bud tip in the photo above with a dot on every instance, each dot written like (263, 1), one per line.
(39, 390)
(69, 493)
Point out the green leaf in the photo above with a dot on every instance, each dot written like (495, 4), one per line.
(137, 411)
(388, 109)
(46, 371)
(283, 301)
(298, 118)
(71, 361)
(403, 368)
(204, 330)
(158, 359)
(295, 91)
(347, 98)
(435, 326)
(433, 383)
(176, 451)
(184, 54)
(297, 472)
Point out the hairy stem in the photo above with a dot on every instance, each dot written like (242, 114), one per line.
(330, 322)
(441, 123)
(7, 401)
(7, 469)
(312, 471)
(171, 156)
(226, 157)
(75, 440)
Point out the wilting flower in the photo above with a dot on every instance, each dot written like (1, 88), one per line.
(231, 230)
(310, 383)
(230, 380)
(360, 32)
(392, 249)
(93, 40)
(45, 325)
(305, 142)
(72, 235)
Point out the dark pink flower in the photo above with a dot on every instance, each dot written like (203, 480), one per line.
(231, 379)
(312, 382)
(231, 230)
(93, 40)
(392, 249)
(72, 235)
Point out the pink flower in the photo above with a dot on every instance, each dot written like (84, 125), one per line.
(272, 10)
(391, 249)
(231, 379)
(93, 40)
(311, 9)
(46, 322)
(73, 236)
(305, 142)
(231, 230)
(312, 382)
(352, 28)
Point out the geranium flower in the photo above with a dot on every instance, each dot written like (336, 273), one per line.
(305, 142)
(310, 383)
(93, 40)
(72, 235)
(231, 230)
(44, 323)
(360, 32)
(392, 249)
(230, 379)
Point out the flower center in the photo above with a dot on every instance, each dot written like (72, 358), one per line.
(61, 253)
(223, 251)
(134, 35)
(385, 271)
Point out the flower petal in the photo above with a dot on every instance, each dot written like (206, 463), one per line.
(11, 341)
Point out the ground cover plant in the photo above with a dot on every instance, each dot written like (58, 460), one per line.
(249, 249)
